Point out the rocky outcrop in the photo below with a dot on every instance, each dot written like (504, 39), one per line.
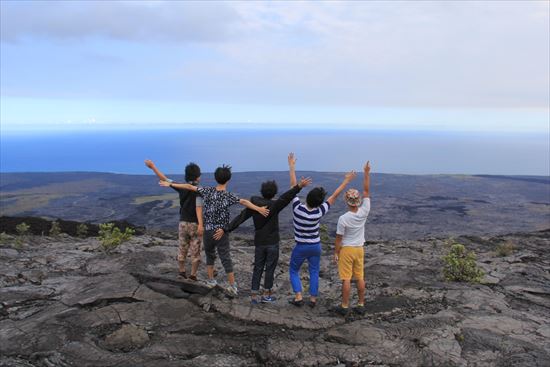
(66, 303)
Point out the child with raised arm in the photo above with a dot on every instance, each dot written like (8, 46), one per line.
(350, 237)
(306, 218)
(266, 235)
(190, 227)
(216, 203)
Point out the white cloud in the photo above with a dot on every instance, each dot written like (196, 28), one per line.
(412, 54)
(120, 20)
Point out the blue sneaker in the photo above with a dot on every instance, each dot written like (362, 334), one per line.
(268, 299)
(254, 301)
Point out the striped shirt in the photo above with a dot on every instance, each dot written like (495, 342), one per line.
(306, 221)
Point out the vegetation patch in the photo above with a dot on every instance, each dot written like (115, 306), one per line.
(460, 265)
(505, 249)
(111, 237)
(165, 197)
(55, 230)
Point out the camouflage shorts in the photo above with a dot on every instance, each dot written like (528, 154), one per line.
(189, 242)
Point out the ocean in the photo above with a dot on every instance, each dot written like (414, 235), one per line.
(420, 152)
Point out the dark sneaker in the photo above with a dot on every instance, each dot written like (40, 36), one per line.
(360, 310)
(268, 299)
(182, 274)
(312, 304)
(342, 311)
(296, 303)
(193, 278)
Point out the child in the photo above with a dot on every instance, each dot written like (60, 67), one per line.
(216, 203)
(190, 225)
(306, 218)
(350, 237)
(266, 235)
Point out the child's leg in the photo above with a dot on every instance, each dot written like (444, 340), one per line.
(271, 264)
(183, 247)
(222, 246)
(314, 263)
(260, 256)
(345, 269)
(296, 260)
(359, 275)
(210, 252)
(195, 250)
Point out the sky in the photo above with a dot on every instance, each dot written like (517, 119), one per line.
(382, 65)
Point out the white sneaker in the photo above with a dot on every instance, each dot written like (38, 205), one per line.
(233, 290)
(211, 283)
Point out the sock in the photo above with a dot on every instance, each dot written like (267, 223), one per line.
(346, 306)
(360, 305)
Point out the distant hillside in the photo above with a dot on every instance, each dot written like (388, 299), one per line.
(403, 206)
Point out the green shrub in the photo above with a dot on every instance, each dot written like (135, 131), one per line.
(505, 249)
(55, 230)
(111, 237)
(22, 229)
(4, 238)
(82, 230)
(460, 265)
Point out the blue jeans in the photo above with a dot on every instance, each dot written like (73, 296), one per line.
(300, 253)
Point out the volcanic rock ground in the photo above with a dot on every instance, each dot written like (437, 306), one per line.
(66, 303)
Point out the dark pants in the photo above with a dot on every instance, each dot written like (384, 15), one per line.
(264, 257)
(222, 246)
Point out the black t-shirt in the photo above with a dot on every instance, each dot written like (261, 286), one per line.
(188, 201)
(266, 228)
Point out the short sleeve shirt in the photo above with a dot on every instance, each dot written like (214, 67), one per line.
(351, 226)
(306, 221)
(216, 204)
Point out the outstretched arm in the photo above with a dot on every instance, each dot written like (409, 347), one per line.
(262, 210)
(287, 196)
(149, 163)
(347, 179)
(235, 223)
(178, 186)
(292, 169)
(366, 179)
(200, 223)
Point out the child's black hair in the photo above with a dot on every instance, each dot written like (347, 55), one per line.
(192, 172)
(222, 174)
(269, 189)
(316, 197)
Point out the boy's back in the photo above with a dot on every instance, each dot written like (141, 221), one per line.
(216, 205)
(352, 225)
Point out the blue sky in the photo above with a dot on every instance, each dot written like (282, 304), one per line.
(452, 66)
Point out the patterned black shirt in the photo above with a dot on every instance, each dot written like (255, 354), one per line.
(216, 205)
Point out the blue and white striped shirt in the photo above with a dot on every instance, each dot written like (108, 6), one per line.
(306, 222)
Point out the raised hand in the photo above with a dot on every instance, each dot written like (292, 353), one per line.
(164, 183)
(149, 163)
(350, 176)
(304, 181)
(218, 234)
(366, 168)
(291, 159)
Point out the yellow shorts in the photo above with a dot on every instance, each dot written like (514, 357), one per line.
(350, 262)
